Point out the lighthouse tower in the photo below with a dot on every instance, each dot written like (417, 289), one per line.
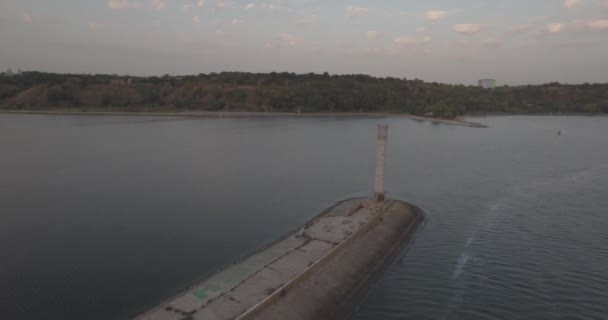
(380, 162)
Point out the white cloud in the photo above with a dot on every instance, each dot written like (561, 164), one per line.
(405, 41)
(220, 5)
(27, 18)
(422, 29)
(288, 39)
(569, 4)
(434, 15)
(555, 28)
(411, 41)
(159, 4)
(467, 28)
(352, 11)
(597, 24)
(122, 4)
(196, 20)
(236, 22)
(201, 3)
(373, 34)
(579, 26)
(265, 6)
(187, 7)
(95, 26)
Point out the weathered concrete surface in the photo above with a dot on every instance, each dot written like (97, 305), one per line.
(316, 273)
(332, 291)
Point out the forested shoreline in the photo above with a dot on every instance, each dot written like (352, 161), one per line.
(288, 92)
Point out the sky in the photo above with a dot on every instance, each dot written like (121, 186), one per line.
(458, 41)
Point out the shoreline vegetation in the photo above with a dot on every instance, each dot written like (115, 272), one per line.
(287, 94)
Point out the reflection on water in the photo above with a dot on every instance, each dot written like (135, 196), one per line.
(101, 217)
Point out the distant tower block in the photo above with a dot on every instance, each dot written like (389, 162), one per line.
(380, 162)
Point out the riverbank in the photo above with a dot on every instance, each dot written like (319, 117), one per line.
(245, 114)
(319, 272)
(561, 114)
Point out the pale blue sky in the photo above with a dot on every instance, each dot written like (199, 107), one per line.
(515, 41)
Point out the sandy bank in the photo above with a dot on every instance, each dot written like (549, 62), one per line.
(244, 114)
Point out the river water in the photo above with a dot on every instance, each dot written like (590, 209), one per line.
(102, 217)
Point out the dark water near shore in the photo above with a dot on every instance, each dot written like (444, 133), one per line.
(101, 217)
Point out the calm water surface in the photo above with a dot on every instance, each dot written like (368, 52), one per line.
(101, 217)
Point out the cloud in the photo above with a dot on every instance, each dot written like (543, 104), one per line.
(236, 22)
(264, 6)
(288, 39)
(95, 26)
(555, 28)
(411, 41)
(220, 5)
(27, 18)
(199, 4)
(579, 26)
(569, 4)
(352, 11)
(196, 20)
(434, 15)
(422, 29)
(271, 6)
(467, 28)
(597, 24)
(373, 34)
(159, 4)
(405, 41)
(122, 4)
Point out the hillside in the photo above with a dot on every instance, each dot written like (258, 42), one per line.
(288, 92)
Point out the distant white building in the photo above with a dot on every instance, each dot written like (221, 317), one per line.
(487, 83)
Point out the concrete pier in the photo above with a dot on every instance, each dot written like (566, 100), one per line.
(316, 273)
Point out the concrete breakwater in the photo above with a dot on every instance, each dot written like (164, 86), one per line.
(318, 272)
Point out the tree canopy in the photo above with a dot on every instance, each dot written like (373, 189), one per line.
(290, 92)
